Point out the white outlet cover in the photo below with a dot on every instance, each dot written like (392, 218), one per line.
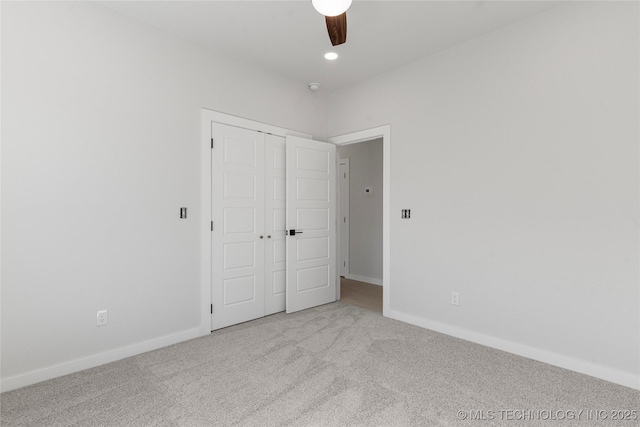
(455, 298)
(101, 318)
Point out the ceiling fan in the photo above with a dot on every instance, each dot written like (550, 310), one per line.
(335, 13)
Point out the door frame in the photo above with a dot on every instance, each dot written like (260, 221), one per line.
(343, 206)
(383, 132)
(207, 117)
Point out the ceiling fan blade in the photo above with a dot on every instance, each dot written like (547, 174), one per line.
(337, 28)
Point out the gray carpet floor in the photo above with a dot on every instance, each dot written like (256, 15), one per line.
(335, 365)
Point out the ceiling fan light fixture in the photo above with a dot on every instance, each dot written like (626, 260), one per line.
(331, 7)
(330, 56)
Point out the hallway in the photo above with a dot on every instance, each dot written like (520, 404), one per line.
(361, 294)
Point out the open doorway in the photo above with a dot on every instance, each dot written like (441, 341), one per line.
(383, 132)
(361, 223)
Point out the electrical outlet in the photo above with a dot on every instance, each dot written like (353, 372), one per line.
(102, 318)
(455, 298)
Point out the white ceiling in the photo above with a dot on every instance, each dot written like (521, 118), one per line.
(290, 37)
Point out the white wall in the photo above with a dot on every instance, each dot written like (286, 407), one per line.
(517, 153)
(100, 149)
(365, 211)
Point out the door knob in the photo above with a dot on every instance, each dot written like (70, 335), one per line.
(269, 236)
(262, 237)
(293, 232)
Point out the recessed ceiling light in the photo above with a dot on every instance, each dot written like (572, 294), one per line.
(330, 56)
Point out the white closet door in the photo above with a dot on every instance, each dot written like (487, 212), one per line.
(274, 220)
(311, 212)
(238, 225)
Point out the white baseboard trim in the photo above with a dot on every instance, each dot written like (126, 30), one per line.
(92, 361)
(365, 279)
(602, 372)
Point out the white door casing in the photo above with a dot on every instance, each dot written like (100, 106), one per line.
(383, 132)
(238, 208)
(311, 211)
(343, 217)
